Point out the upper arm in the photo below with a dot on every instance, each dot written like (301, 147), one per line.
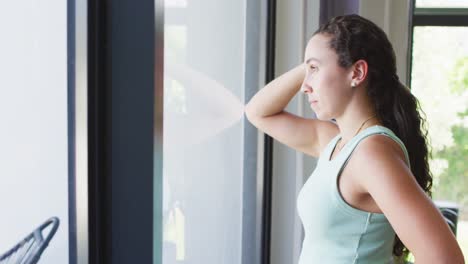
(305, 135)
(412, 214)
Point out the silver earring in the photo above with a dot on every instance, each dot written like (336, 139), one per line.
(353, 84)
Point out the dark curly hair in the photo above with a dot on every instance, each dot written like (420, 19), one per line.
(355, 38)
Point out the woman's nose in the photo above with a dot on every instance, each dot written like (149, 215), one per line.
(306, 88)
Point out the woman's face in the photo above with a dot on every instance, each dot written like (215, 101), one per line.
(326, 84)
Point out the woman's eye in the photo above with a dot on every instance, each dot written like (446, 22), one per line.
(312, 68)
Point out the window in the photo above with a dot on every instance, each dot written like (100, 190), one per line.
(439, 80)
(209, 166)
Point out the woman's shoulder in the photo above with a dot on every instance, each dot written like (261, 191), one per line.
(377, 158)
(382, 139)
(379, 138)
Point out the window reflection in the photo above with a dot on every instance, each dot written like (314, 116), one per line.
(203, 136)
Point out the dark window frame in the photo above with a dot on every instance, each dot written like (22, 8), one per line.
(122, 188)
(431, 16)
(268, 141)
(112, 64)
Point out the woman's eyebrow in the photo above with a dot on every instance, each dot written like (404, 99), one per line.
(312, 58)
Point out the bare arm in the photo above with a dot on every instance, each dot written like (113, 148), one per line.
(275, 96)
(266, 111)
(414, 217)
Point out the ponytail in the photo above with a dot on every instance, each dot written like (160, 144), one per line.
(400, 111)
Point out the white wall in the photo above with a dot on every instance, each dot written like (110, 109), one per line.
(33, 112)
(392, 17)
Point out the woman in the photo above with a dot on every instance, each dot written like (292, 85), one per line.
(368, 200)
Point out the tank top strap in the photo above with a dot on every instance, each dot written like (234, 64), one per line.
(352, 144)
(326, 152)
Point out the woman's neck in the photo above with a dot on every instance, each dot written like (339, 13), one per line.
(354, 122)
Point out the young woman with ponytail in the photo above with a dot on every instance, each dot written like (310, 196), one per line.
(369, 198)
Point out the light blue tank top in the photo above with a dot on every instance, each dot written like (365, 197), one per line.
(334, 231)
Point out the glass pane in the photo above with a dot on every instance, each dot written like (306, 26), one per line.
(33, 111)
(203, 132)
(440, 81)
(442, 3)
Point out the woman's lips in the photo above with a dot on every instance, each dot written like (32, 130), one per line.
(313, 102)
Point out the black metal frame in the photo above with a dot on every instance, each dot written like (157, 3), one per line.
(99, 126)
(121, 86)
(440, 17)
(268, 144)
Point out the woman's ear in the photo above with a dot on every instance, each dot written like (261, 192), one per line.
(359, 72)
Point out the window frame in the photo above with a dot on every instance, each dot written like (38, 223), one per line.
(109, 64)
(431, 16)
